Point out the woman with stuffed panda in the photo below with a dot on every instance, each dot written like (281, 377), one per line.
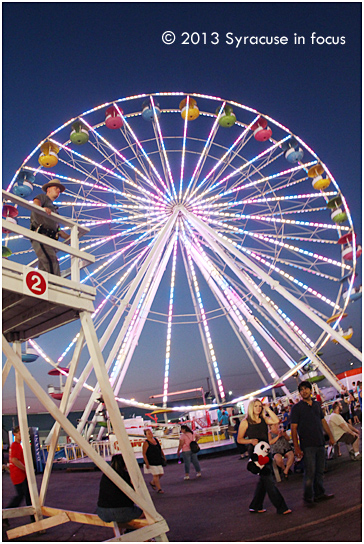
(253, 431)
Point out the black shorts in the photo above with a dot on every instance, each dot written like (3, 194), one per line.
(347, 438)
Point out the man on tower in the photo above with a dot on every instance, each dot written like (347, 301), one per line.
(47, 255)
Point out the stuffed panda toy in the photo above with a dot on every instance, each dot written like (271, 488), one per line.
(260, 461)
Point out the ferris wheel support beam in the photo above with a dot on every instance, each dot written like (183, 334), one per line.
(54, 434)
(139, 494)
(250, 318)
(24, 429)
(235, 326)
(136, 332)
(155, 257)
(203, 319)
(275, 285)
(203, 339)
(144, 312)
(242, 307)
(246, 347)
(65, 402)
(103, 342)
(211, 240)
(149, 263)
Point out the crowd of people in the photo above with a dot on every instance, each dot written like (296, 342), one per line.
(264, 427)
(310, 430)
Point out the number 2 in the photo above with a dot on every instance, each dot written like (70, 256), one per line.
(36, 283)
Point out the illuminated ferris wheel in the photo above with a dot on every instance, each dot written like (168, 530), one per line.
(194, 190)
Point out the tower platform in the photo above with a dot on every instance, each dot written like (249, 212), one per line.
(27, 315)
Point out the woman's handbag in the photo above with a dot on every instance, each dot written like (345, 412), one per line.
(164, 462)
(195, 448)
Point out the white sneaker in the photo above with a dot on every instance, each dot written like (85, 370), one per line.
(186, 477)
(356, 457)
(198, 474)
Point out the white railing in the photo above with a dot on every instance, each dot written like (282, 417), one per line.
(73, 452)
(102, 447)
(105, 447)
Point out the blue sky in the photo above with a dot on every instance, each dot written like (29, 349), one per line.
(62, 59)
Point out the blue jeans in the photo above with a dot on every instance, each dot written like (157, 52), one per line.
(123, 514)
(266, 485)
(189, 457)
(313, 480)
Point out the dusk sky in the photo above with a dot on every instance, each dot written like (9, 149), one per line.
(62, 59)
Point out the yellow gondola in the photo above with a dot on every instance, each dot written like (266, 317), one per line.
(335, 317)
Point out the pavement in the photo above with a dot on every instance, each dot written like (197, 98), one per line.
(214, 508)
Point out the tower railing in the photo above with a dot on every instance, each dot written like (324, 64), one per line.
(79, 258)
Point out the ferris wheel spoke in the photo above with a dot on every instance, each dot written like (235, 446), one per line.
(89, 169)
(142, 304)
(277, 242)
(183, 151)
(95, 185)
(221, 161)
(233, 155)
(106, 171)
(116, 255)
(268, 236)
(124, 161)
(245, 183)
(255, 167)
(238, 171)
(298, 265)
(110, 256)
(276, 285)
(236, 307)
(280, 317)
(246, 346)
(292, 281)
(163, 154)
(169, 324)
(259, 309)
(204, 329)
(308, 196)
(138, 143)
(203, 156)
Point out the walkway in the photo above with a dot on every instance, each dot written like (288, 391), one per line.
(214, 508)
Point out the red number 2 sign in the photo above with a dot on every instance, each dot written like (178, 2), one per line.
(36, 282)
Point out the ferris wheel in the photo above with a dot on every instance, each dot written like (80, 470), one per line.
(209, 197)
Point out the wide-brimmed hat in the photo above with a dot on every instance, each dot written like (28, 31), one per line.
(54, 183)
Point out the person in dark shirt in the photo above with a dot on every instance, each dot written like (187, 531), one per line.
(286, 419)
(47, 255)
(154, 459)
(345, 408)
(308, 422)
(113, 504)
